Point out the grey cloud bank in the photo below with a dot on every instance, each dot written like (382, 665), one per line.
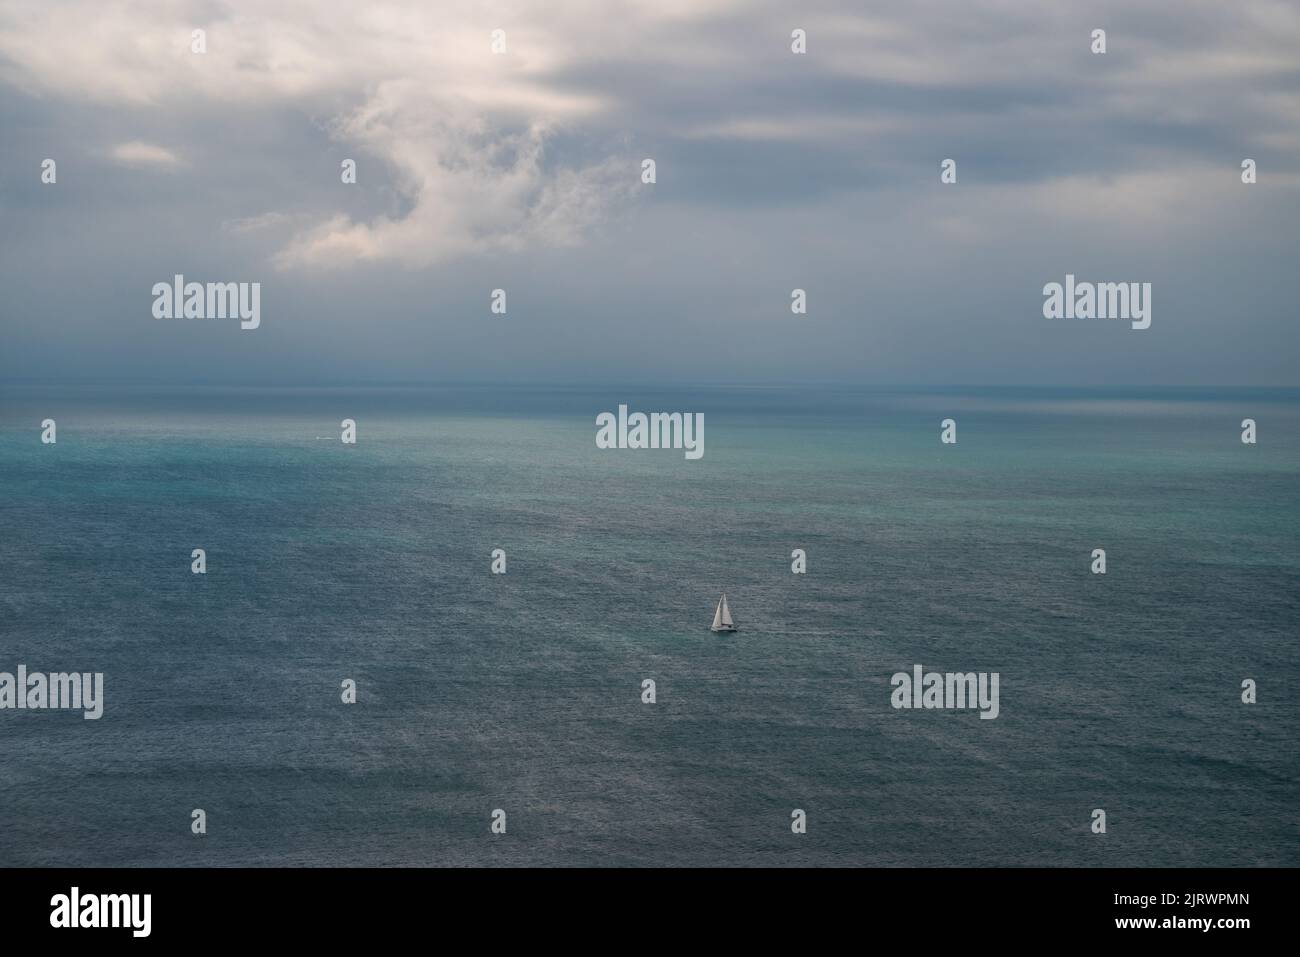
(775, 171)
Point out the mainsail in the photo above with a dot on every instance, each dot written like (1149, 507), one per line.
(722, 616)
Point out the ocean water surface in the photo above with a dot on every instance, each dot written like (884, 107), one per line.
(522, 691)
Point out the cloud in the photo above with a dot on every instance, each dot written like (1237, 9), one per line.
(472, 142)
(471, 184)
(254, 224)
(775, 171)
(140, 154)
(462, 133)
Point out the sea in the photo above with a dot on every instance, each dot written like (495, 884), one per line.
(523, 692)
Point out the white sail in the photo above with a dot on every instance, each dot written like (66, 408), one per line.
(722, 616)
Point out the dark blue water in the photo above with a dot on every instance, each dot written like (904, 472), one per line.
(523, 691)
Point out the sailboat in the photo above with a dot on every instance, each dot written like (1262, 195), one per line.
(722, 617)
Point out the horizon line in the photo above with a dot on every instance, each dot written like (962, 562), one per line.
(623, 383)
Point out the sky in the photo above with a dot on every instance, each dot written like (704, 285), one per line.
(521, 170)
